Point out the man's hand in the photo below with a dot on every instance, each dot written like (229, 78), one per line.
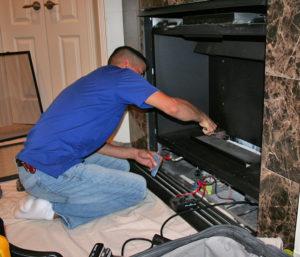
(209, 126)
(146, 158)
(141, 156)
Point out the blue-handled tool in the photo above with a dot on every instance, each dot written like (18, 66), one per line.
(155, 169)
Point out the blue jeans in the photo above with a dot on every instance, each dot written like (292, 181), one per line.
(97, 187)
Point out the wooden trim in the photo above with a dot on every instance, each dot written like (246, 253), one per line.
(92, 34)
(101, 32)
(1, 44)
(13, 142)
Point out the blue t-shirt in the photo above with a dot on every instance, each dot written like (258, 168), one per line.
(83, 117)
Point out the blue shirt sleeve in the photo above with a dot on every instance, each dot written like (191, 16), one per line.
(134, 89)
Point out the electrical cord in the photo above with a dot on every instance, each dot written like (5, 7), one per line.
(246, 212)
(199, 209)
(132, 239)
(223, 198)
(201, 185)
(216, 190)
(177, 214)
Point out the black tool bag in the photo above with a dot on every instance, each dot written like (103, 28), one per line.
(219, 240)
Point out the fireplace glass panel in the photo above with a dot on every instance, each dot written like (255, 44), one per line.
(20, 105)
(180, 72)
(230, 90)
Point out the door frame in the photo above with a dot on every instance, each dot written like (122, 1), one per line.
(100, 30)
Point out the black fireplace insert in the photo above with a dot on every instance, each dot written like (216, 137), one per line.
(211, 53)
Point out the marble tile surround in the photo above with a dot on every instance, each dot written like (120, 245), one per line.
(138, 127)
(281, 133)
(280, 175)
(172, 2)
(278, 208)
(283, 41)
(153, 3)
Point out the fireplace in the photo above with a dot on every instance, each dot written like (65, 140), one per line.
(212, 54)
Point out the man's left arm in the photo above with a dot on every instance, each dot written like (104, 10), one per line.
(142, 156)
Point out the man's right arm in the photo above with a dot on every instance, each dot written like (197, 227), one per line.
(181, 110)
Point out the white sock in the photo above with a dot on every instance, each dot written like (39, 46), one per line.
(34, 208)
(26, 203)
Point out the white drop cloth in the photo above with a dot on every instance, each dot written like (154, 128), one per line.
(143, 221)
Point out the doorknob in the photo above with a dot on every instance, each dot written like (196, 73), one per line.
(36, 6)
(49, 4)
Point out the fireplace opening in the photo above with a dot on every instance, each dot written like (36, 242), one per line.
(228, 88)
(213, 55)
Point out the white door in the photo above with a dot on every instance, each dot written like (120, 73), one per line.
(71, 42)
(60, 36)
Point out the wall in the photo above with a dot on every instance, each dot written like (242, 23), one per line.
(115, 38)
(131, 23)
(114, 24)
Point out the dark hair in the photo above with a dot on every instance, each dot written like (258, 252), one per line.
(131, 50)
